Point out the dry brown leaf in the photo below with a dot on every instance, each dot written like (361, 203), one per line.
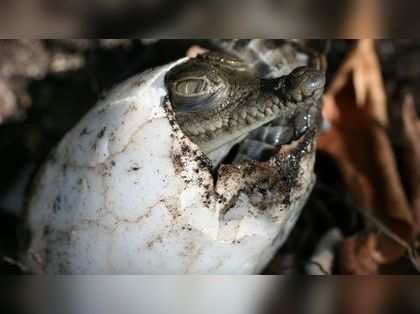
(357, 295)
(365, 19)
(411, 137)
(364, 70)
(355, 104)
(357, 255)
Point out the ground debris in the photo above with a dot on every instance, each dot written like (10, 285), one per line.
(357, 108)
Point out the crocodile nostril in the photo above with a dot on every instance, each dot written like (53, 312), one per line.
(303, 83)
(314, 80)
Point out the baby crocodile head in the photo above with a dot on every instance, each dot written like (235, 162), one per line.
(219, 102)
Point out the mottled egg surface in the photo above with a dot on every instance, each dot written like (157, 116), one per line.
(126, 192)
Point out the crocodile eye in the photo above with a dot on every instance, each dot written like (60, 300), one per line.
(191, 87)
(194, 95)
(196, 86)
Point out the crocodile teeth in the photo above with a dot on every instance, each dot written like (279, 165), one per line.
(250, 119)
(253, 111)
(275, 100)
(268, 111)
(200, 130)
(260, 115)
(218, 124)
(193, 132)
(233, 123)
(212, 127)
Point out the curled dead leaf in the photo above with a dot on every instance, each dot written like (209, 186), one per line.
(355, 105)
(357, 255)
(411, 152)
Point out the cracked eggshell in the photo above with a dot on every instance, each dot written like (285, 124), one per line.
(127, 192)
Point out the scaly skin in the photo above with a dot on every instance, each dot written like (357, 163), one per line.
(217, 100)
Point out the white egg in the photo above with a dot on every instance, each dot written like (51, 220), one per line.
(126, 192)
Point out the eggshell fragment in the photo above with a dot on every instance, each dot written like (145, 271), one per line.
(126, 192)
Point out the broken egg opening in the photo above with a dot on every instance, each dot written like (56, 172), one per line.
(275, 111)
(127, 192)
